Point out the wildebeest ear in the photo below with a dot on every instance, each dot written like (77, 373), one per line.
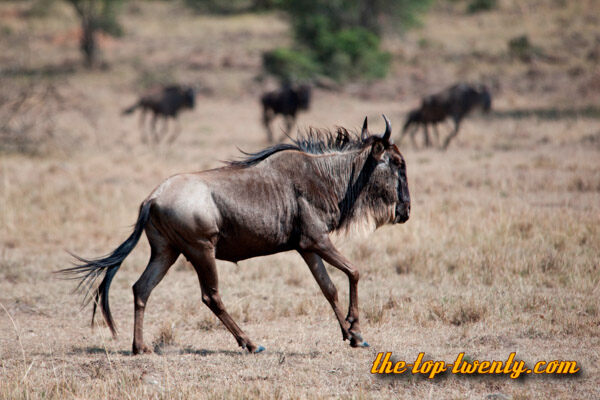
(365, 130)
(377, 150)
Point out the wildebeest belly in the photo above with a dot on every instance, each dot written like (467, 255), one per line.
(242, 239)
(247, 247)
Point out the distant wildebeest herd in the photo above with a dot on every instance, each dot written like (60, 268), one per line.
(454, 102)
(289, 196)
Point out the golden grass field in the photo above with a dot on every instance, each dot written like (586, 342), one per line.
(501, 253)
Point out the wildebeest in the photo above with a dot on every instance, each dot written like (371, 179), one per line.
(163, 102)
(285, 197)
(287, 101)
(455, 102)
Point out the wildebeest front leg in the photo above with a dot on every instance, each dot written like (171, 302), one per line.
(426, 132)
(203, 260)
(290, 121)
(329, 253)
(153, 127)
(176, 131)
(267, 117)
(452, 134)
(164, 131)
(315, 263)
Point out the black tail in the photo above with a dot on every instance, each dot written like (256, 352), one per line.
(90, 270)
(131, 109)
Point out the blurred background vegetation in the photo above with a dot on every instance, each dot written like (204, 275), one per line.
(338, 39)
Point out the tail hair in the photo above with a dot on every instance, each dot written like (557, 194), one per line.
(91, 269)
(131, 109)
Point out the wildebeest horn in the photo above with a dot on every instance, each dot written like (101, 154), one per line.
(365, 130)
(388, 129)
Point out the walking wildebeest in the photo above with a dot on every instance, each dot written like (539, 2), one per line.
(164, 101)
(285, 197)
(287, 101)
(455, 102)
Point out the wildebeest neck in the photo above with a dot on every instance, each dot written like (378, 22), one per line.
(346, 175)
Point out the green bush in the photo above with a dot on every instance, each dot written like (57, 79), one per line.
(289, 65)
(330, 40)
(347, 54)
(353, 53)
(340, 38)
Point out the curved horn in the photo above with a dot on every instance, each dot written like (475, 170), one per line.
(388, 129)
(365, 130)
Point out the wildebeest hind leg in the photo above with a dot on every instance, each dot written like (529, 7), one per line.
(203, 260)
(413, 132)
(436, 134)
(315, 263)
(161, 259)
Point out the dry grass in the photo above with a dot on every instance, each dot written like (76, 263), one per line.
(501, 254)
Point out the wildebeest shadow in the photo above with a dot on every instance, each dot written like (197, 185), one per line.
(98, 350)
(282, 354)
(175, 350)
(550, 113)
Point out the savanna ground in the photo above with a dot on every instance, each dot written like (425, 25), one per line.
(501, 253)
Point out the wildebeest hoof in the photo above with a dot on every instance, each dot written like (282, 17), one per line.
(356, 343)
(357, 340)
(141, 350)
(259, 349)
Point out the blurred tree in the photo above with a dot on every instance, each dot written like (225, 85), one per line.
(96, 15)
(340, 38)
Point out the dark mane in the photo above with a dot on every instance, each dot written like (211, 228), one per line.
(314, 141)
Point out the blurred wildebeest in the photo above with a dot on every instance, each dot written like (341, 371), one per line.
(287, 101)
(164, 102)
(455, 102)
(285, 197)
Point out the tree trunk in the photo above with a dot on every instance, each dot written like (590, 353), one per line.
(88, 42)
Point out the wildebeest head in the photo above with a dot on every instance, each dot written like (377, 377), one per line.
(485, 98)
(303, 92)
(189, 97)
(387, 188)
